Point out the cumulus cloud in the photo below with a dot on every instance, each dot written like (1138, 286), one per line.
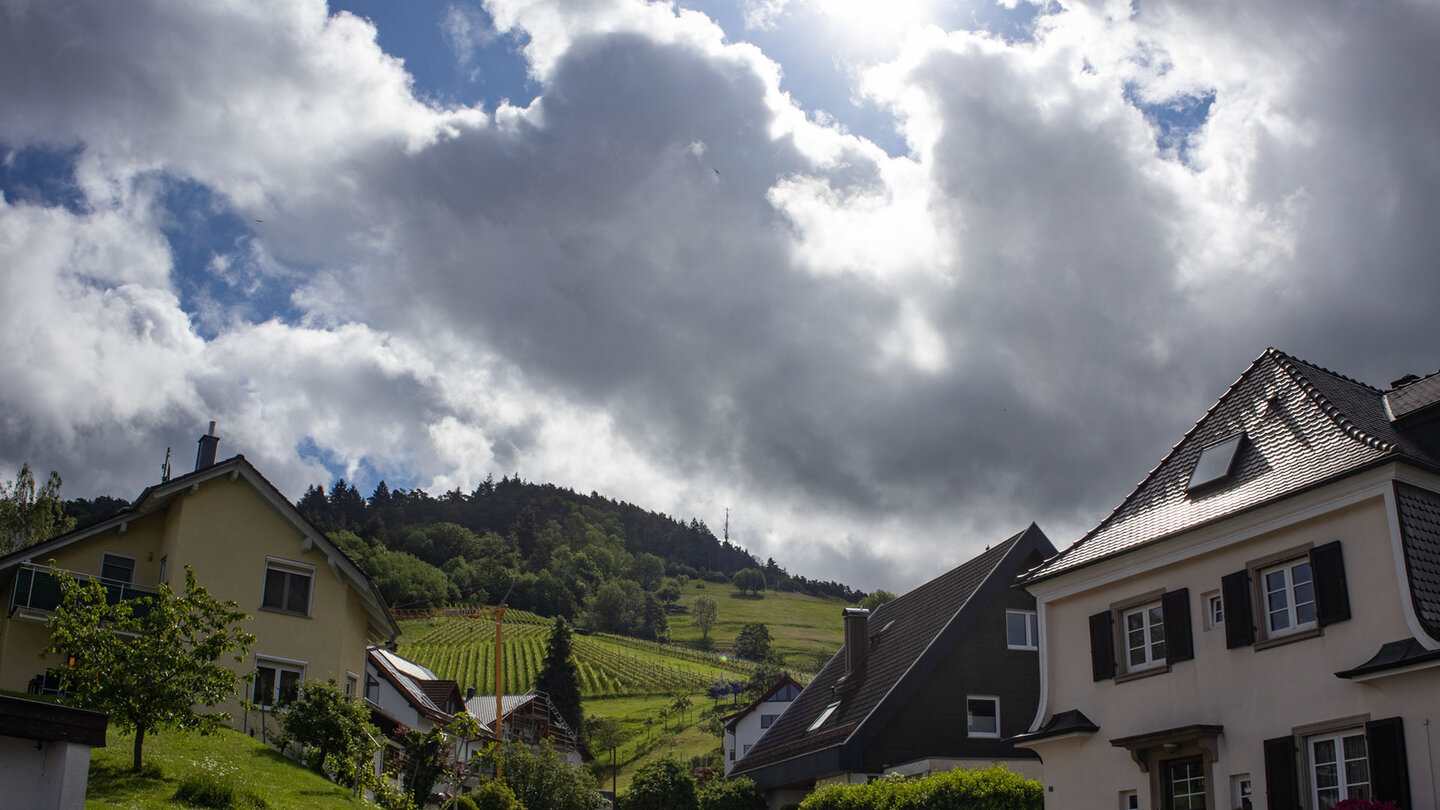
(668, 281)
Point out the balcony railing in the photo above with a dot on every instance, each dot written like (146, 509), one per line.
(37, 588)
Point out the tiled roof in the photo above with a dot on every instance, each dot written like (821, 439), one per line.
(1413, 396)
(1420, 535)
(1303, 424)
(900, 634)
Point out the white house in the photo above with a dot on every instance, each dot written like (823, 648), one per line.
(743, 728)
(1258, 623)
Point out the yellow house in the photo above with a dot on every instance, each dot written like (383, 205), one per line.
(314, 612)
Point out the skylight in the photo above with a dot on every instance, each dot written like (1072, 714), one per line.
(1215, 463)
(825, 715)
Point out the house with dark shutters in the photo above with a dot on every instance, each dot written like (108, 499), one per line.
(1258, 624)
(936, 679)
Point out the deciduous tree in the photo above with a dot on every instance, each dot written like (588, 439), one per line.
(29, 515)
(706, 612)
(150, 662)
(753, 642)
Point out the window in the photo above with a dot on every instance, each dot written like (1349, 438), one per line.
(1147, 634)
(1215, 463)
(825, 715)
(118, 569)
(372, 689)
(1129, 800)
(1289, 597)
(732, 754)
(747, 749)
(1022, 630)
(352, 682)
(1144, 629)
(161, 580)
(1285, 597)
(984, 716)
(1214, 611)
(277, 681)
(287, 587)
(1242, 797)
(767, 720)
(1185, 784)
(786, 693)
(1349, 758)
(1338, 768)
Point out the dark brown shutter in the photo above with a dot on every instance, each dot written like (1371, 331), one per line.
(1389, 771)
(1332, 597)
(1282, 780)
(1235, 594)
(1179, 642)
(1102, 646)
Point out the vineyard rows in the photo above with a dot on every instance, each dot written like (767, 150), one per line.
(463, 649)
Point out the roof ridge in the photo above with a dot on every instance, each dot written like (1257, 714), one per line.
(1288, 364)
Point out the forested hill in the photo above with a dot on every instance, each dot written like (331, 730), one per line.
(559, 548)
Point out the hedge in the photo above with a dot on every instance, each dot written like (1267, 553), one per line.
(993, 788)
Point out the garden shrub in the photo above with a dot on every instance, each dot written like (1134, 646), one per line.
(993, 788)
(660, 785)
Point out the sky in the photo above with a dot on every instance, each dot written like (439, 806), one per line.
(886, 281)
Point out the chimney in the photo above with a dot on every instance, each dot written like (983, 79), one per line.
(469, 692)
(857, 640)
(205, 456)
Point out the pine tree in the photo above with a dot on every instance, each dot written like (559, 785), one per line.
(560, 678)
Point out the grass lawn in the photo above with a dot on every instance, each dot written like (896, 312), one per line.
(652, 741)
(806, 630)
(170, 756)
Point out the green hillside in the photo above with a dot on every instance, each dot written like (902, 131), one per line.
(631, 680)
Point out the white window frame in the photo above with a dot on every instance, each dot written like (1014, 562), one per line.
(1149, 628)
(1214, 611)
(279, 665)
(352, 684)
(1343, 784)
(1288, 589)
(1129, 800)
(289, 568)
(1032, 630)
(970, 729)
(1241, 790)
(103, 560)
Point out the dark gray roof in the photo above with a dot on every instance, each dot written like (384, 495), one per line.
(1304, 426)
(907, 638)
(1070, 721)
(1395, 655)
(1413, 396)
(1420, 538)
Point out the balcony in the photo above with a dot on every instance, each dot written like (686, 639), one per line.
(37, 590)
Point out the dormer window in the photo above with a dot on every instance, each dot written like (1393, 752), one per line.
(1215, 463)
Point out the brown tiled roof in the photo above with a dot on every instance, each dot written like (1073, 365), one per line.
(904, 634)
(1304, 425)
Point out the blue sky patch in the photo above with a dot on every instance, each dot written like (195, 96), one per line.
(219, 273)
(42, 176)
(1174, 120)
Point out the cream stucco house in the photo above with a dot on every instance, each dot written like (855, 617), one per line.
(314, 613)
(1258, 623)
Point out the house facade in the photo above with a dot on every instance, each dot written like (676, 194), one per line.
(1258, 623)
(936, 679)
(314, 613)
(743, 728)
